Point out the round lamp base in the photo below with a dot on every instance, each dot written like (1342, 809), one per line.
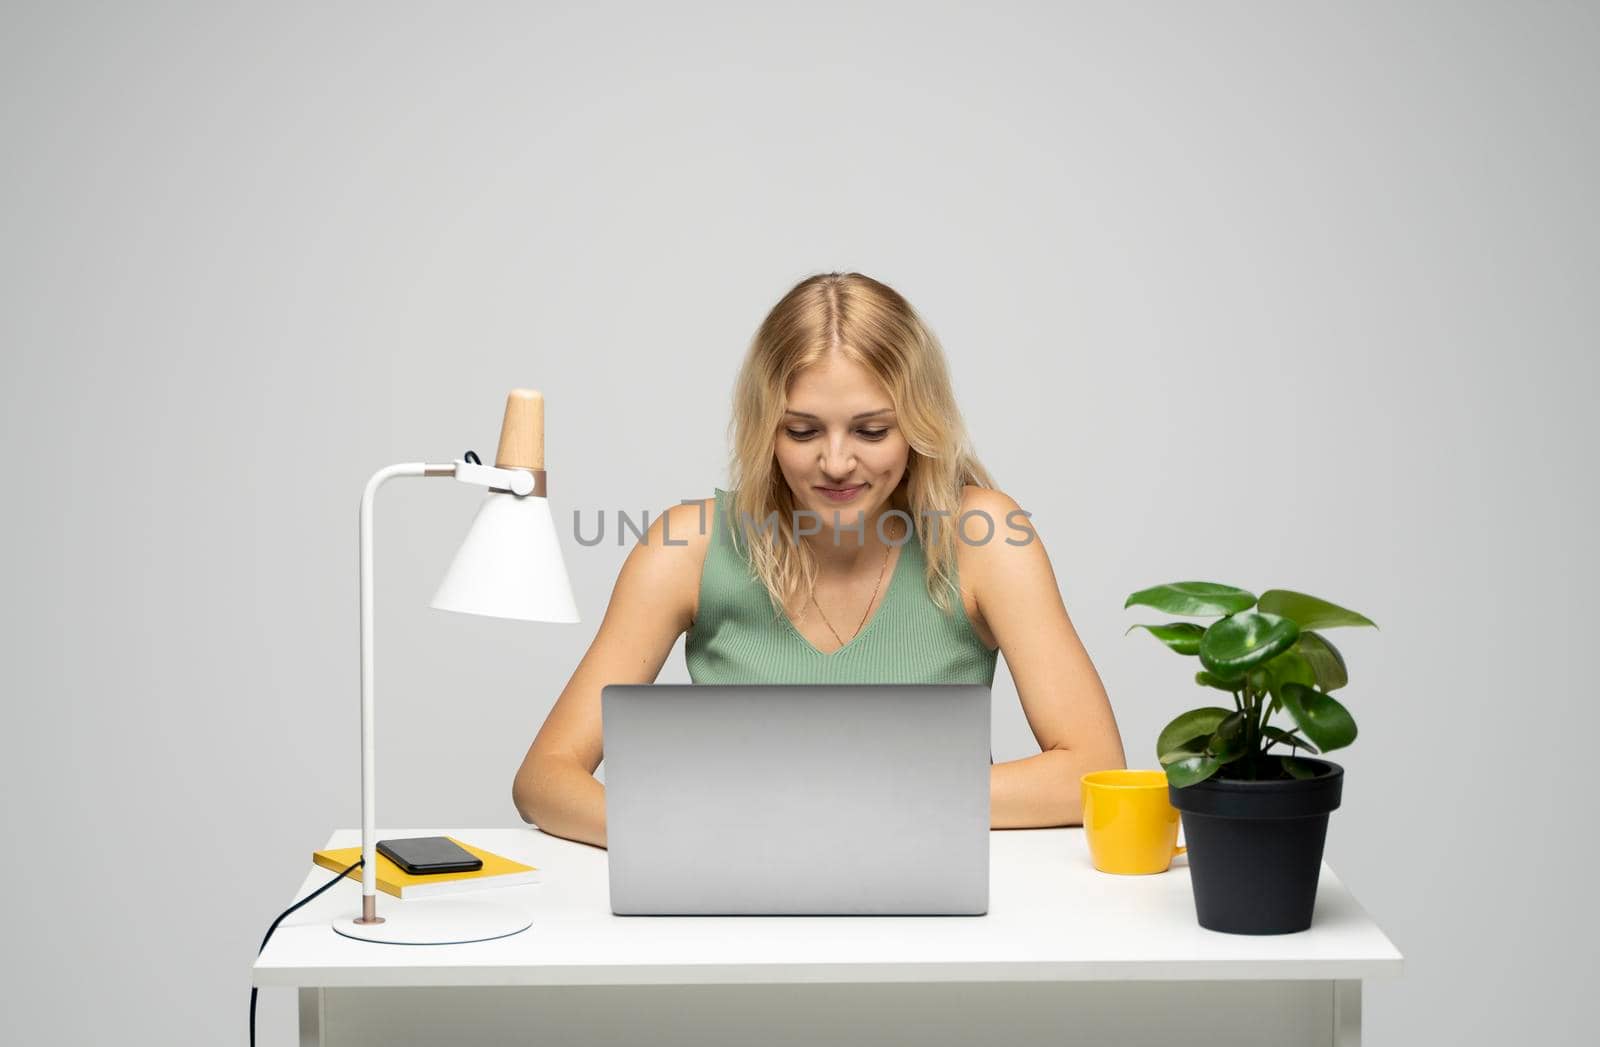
(436, 921)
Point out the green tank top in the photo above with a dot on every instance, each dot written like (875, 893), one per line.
(736, 638)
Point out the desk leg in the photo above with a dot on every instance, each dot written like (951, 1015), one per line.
(311, 1017)
(1347, 1014)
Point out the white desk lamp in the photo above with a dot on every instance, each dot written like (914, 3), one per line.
(509, 566)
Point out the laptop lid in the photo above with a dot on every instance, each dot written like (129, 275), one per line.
(776, 799)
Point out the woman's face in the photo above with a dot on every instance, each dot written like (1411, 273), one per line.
(839, 433)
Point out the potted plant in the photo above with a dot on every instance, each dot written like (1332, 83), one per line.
(1253, 798)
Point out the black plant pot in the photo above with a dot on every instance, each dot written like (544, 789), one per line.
(1255, 848)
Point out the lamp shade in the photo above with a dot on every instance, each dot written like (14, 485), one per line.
(509, 565)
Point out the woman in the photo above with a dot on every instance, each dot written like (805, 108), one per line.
(837, 558)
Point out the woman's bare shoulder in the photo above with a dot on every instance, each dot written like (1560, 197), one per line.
(986, 498)
(981, 520)
(990, 511)
(674, 549)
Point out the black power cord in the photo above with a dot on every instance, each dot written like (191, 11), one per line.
(274, 927)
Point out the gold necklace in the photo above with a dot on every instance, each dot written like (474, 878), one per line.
(812, 602)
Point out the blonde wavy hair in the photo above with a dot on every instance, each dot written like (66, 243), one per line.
(869, 323)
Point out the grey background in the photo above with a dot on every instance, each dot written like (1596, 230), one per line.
(1274, 295)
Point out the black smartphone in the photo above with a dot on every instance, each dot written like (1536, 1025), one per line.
(421, 855)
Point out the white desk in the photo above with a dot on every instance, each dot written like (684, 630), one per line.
(1065, 955)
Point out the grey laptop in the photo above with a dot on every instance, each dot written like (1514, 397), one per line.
(787, 799)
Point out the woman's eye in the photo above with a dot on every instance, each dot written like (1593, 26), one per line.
(806, 434)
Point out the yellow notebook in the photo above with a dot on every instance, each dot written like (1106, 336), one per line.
(496, 872)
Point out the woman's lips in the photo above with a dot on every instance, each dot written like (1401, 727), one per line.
(844, 495)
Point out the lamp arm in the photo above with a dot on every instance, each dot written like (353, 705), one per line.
(517, 481)
(369, 832)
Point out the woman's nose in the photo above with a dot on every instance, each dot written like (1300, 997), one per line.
(837, 459)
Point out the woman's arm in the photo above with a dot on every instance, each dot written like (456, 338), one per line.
(652, 604)
(1061, 693)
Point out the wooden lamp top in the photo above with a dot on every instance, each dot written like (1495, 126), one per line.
(522, 432)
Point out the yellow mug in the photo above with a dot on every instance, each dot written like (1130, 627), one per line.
(1131, 824)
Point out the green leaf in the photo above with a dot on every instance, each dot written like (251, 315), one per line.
(1194, 599)
(1205, 679)
(1289, 667)
(1196, 723)
(1278, 734)
(1320, 716)
(1298, 768)
(1233, 646)
(1326, 661)
(1228, 741)
(1191, 769)
(1183, 637)
(1309, 612)
(1193, 747)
